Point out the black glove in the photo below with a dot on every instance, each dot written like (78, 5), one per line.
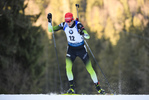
(49, 17)
(81, 32)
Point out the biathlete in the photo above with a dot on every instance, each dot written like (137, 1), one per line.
(75, 33)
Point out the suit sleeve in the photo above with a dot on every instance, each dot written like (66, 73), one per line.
(55, 28)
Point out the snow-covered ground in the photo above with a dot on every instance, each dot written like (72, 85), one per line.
(72, 97)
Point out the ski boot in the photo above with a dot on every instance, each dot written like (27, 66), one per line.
(100, 91)
(72, 88)
(71, 91)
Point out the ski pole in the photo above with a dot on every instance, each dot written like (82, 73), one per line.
(57, 60)
(77, 6)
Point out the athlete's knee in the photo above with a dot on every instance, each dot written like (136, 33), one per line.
(89, 67)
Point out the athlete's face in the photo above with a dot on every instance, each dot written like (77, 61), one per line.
(70, 23)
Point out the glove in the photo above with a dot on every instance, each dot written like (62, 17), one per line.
(81, 32)
(49, 17)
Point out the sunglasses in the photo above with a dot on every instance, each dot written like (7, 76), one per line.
(68, 21)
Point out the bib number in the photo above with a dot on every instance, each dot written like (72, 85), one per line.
(72, 38)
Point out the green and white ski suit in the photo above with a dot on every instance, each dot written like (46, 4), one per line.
(76, 47)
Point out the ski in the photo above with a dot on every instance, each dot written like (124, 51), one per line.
(87, 94)
(70, 94)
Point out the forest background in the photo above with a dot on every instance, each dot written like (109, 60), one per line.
(119, 31)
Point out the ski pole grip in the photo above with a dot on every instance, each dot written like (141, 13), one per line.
(77, 5)
(49, 17)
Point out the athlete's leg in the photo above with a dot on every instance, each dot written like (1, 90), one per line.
(70, 57)
(84, 56)
(90, 69)
(69, 68)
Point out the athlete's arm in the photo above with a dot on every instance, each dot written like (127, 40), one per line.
(55, 28)
(83, 31)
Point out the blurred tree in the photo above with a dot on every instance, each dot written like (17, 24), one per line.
(109, 30)
(21, 47)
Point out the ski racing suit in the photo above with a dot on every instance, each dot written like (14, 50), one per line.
(76, 47)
